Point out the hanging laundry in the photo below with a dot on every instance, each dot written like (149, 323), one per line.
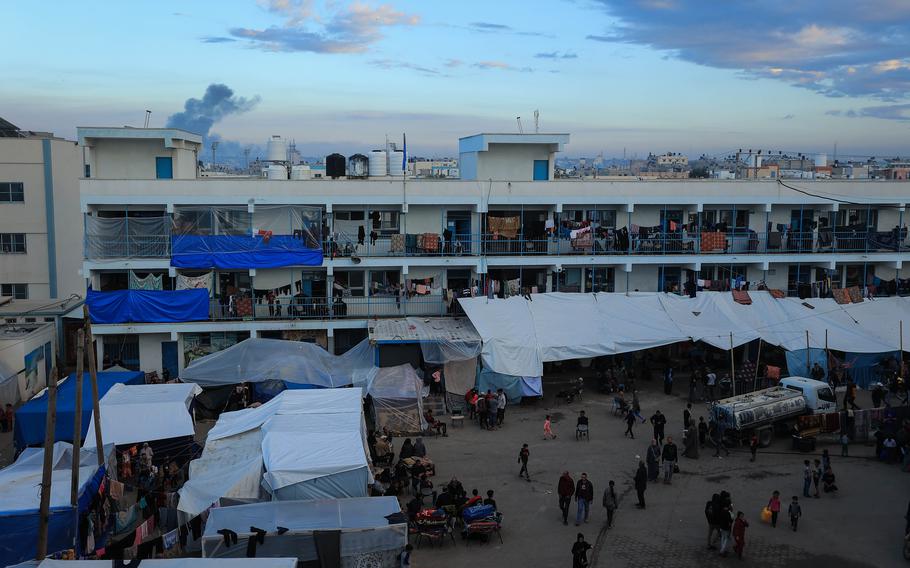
(505, 226)
(170, 539)
(193, 282)
(150, 282)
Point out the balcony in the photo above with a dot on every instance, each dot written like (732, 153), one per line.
(302, 308)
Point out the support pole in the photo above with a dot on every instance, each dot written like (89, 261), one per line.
(757, 363)
(732, 366)
(827, 359)
(808, 354)
(901, 328)
(46, 473)
(93, 374)
(77, 422)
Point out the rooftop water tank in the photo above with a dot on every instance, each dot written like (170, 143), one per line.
(378, 163)
(276, 149)
(395, 163)
(358, 166)
(300, 172)
(277, 172)
(334, 166)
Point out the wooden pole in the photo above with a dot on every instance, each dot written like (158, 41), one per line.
(827, 358)
(732, 366)
(93, 374)
(757, 363)
(47, 472)
(77, 422)
(901, 328)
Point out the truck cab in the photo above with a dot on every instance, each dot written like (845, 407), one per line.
(819, 395)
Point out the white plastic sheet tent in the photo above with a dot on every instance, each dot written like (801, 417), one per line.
(145, 413)
(256, 360)
(302, 444)
(520, 335)
(362, 522)
(397, 400)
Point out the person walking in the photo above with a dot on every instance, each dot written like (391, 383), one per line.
(630, 421)
(670, 455)
(711, 379)
(548, 429)
(687, 416)
(501, 409)
(739, 534)
(795, 512)
(658, 421)
(584, 495)
(712, 510)
(668, 380)
(816, 477)
(580, 552)
(565, 488)
(523, 456)
(702, 431)
(653, 459)
(844, 445)
(610, 503)
(492, 411)
(753, 447)
(807, 478)
(718, 439)
(725, 524)
(774, 507)
(641, 483)
(482, 412)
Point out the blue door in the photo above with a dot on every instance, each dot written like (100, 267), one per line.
(164, 168)
(541, 170)
(169, 358)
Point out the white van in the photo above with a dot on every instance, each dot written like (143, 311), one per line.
(819, 395)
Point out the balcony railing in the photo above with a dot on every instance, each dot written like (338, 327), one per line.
(301, 308)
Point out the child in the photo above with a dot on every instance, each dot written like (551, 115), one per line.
(753, 446)
(739, 534)
(774, 506)
(795, 512)
(844, 443)
(523, 455)
(547, 429)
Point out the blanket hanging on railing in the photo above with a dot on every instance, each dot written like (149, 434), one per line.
(150, 282)
(192, 282)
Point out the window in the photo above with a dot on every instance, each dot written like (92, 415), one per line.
(349, 216)
(164, 168)
(732, 218)
(12, 192)
(382, 281)
(826, 394)
(857, 218)
(11, 243)
(602, 279)
(385, 222)
(233, 222)
(351, 281)
(17, 291)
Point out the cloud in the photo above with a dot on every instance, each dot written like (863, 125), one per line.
(885, 112)
(394, 64)
(501, 65)
(331, 29)
(788, 117)
(556, 55)
(216, 39)
(490, 27)
(454, 63)
(199, 115)
(853, 48)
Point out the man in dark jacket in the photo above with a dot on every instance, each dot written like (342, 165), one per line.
(687, 416)
(584, 496)
(641, 483)
(669, 457)
(565, 488)
(658, 420)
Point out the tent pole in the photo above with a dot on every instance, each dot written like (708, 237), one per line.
(732, 366)
(93, 374)
(47, 471)
(901, 329)
(757, 362)
(77, 425)
(827, 358)
(808, 353)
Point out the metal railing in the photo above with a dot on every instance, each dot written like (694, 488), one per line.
(135, 246)
(303, 308)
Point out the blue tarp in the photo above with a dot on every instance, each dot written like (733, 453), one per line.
(148, 306)
(19, 530)
(491, 380)
(241, 252)
(31, 416)
(796, 362)
(861, 368)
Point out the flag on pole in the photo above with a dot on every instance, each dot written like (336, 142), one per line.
(404, 154)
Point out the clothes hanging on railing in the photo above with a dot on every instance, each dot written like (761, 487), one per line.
(150, 282)
(190, 282)
(506, 226)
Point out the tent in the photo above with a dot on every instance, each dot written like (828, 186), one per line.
(302, 444)
(397, 400)
(179, 563)
(20, 500)
(515, 388)
(31, 416)
(145, 413)
(519, 335)
(365, 532)
(256, 360)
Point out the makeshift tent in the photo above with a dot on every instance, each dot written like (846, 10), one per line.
(148, 306)
(302, 444)
(441, 339)
(145, 413)
(256, 360)
(365, 531)
(520, 335)
(397, 400)
(31, 416)
(515, 388)
(20, 500)
(179, 563)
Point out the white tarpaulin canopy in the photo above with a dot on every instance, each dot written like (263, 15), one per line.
(256, 360)
(145, 413)
(397, 400)
(20, 482)
(520, 335)
(302, 444)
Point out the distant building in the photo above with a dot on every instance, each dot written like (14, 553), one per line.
(516, 157)
(429, 168)
(671, 160)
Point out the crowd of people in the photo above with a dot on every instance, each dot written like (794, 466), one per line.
(488, 409)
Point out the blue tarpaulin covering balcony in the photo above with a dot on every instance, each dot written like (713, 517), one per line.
(242, 251)
(148, 306)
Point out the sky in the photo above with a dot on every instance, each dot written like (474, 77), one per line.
(621, 76)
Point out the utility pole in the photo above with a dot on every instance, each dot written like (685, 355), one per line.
(732, 367)
(47, 471)
(93, 374)
(77, 425)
